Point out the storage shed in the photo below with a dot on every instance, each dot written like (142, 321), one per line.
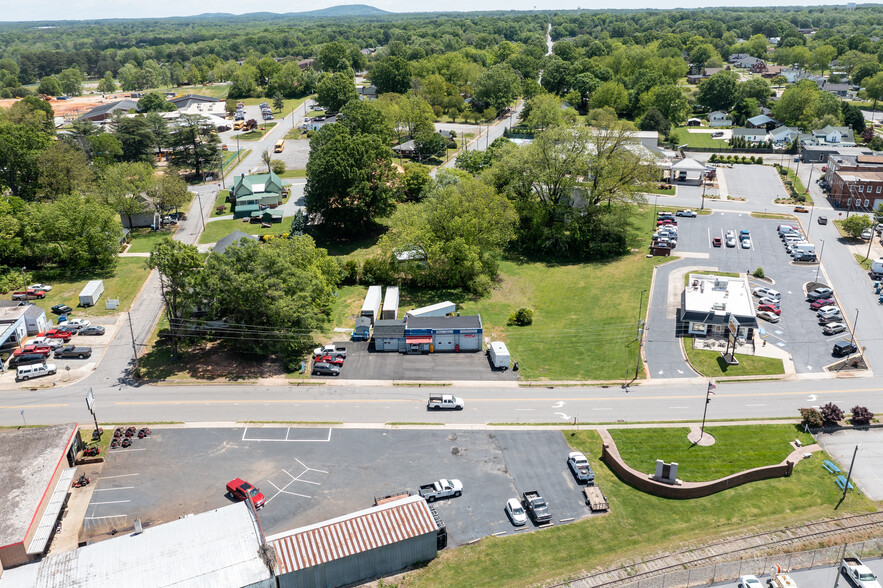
(443, 333)
(362, 330)
(389, 335)
(91, 293)
(358, 546)
(371, 306)
(439, 309)
(391, 303)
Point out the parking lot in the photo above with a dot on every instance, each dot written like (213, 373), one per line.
(868, 469)
(313, 474)
(798, 330)
(363, 363)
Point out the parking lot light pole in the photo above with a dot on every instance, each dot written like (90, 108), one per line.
(821, 252)
(871, 240)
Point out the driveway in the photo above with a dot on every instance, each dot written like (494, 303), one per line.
(312, 474)
(758, 184)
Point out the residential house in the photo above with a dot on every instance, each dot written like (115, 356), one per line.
(751, 135)
(758, 67)
(147, 218)
(737, 57)
(772, 71)
(783, 136)
(719, 118)
(755, 64)
(103, 112)
(856, 190)
(250, 193)
(805, 31)
(319, 122)
(762, 121)
(841, 90)
(709, 303)
(305, 64)
(830, 135)
(196, 104)
(234, 237)
(367, 92)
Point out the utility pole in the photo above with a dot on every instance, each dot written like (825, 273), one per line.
(871, 240)
(854, 327)
(134, 348)
(711, 386)
(640, 335)
(821, 252)
(849, 474)
(201, 213)
(840, 564)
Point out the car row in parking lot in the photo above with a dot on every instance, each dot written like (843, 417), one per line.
(796, 244)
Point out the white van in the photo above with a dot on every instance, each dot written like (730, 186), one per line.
(27, 372)
(786, 229)
(802, 248)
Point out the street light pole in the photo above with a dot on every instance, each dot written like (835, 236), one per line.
(871, 240)
(708, 391)
(640, 336)
(821, 252)
(201, 213)
(849, 474)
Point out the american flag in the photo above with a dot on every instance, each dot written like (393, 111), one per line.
(711, 387)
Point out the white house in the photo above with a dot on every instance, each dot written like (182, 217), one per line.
(783, 135)
(709, 302)
(751, 135)
(831, 135)
(719, 118)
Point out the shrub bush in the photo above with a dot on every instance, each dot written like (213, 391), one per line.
(758, 273)
(861, 415)
(831, 414)
(278, 166)
(759, 160)
(349, 272)
(811, 417)
(713, 158)
(521, 317)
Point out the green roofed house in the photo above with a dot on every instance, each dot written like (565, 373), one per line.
(259, 189)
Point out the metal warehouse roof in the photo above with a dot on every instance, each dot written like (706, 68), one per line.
(216, 548)
(353, 533)
(444, 322)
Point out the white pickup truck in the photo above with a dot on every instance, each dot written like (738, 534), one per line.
(332, 350)
(444, 401)
(441, 489)
(858, 573)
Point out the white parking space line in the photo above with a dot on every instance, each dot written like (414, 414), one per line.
(106, 489)
(118, 476)
(110, 502)
(287, 440)
(308, 467)
(107, 517)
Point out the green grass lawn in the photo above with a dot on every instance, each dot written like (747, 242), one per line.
(660, 191)
(864, 263)
(221, 200)
(735, 449)
(255, 134)
(143, 240)
(704, 140)
(640, 524)
(216, 230)
(710, 363)
(294, 173)
(124, 283)
(231, 159)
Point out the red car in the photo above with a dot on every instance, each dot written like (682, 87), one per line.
(56, 334)
(770, 308)
(824, 302)
(29, 295)
(716, 242)
(331, 360)
(242, 490)
(665, 221)
(33, 348)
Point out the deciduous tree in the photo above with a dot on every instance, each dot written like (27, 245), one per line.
(391, 74)
(336, 90)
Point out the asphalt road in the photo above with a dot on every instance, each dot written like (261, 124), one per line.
(819, 577)
(362, 402)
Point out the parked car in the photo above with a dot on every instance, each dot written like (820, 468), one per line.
(330, 349)
(25, 373)
(441, 489)
(516, 512)
(744, 234)
(768, 300)
(688, 213)
(823, 220)
(763, 291)
(842, 348)
(801, 209)
(320, 368)
(536, 506)
(29, 295)
(828, 310)
(242, 490)
(33, 348)
(716, 242)
(768, 316)
(66, 327)
(338, 361)
(730, 235)
(833, 318)
(61, 309)
(833, 328)
(731, 241)
(822, 302)
(27, 359)
(53, 343)
(44, 287)
(867, 234)
(806, 257)
(746, 243)
(580, 467)
(773, 308)
(56, 334)
(749, 581)
(92, 330)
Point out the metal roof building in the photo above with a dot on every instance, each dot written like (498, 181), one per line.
(218, 548)
(357, 546)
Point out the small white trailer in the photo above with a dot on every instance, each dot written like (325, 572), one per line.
(499, 355)
(371, 306)
(91, 293)
(440, 309)
(390, 304)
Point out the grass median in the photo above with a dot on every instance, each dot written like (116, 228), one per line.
(710, 363)
(640, 524)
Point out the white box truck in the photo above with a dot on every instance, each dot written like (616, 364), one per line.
(877, 267)
(440, 309)
(91, 293)
(499, 355)
(371, 306)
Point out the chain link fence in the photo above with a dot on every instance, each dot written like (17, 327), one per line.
(729, 571)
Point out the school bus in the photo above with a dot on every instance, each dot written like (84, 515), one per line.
(280, 146)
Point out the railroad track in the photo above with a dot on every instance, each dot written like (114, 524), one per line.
(728, 548)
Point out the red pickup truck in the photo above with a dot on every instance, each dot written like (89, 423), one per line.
(242, 490)
(29, 295)
(33, 348)
(56, 334)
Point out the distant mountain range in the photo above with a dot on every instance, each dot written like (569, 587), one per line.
(342, 10)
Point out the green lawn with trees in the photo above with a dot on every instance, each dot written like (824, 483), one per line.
(703, 140)
(218, 229)
(710, 363)
(639, 525)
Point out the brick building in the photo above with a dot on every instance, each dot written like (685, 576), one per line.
(859, 189)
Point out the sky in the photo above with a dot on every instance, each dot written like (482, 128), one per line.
(29, 10)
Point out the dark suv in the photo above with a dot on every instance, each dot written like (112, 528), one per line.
(321, 368)
(27, 359)
(842, 348)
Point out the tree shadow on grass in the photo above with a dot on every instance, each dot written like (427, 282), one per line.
(339, 243)
(208, 361)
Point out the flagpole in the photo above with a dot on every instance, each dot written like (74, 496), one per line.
(705, 410)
